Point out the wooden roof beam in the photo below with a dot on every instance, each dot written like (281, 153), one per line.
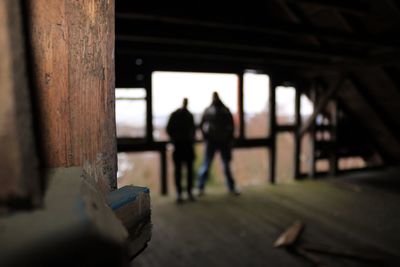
(358, 7)
(283, 29)
(250, 48)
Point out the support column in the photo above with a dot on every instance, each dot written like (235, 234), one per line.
(163, 174)
(242, 128)
(73, 58)
(312, 167)
(297, 136)
(272, 130)
(149, 106)
(333, 159)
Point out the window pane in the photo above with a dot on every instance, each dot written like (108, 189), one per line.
(307, 107)
(130, 118)
(250, 166)
(140, 169)
(351, 163)
(285, 159)
(285, 105)
(130, 93)
(256, 95)
(169, 89)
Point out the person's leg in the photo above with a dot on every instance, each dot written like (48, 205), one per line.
(205, 167)
(189, 167)
(226, 156)
(178, 178)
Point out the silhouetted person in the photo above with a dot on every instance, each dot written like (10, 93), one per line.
(181, 130)
(217, 128)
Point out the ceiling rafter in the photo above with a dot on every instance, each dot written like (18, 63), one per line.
(282, 29)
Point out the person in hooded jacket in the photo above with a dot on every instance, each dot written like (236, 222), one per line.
(217, 127)
(181, 130)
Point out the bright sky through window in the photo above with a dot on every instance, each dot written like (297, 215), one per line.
(169, 88)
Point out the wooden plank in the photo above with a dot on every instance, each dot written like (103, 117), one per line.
(73, 44)
(75, 226)
(19, 175)
(131, 205)
(290, 235)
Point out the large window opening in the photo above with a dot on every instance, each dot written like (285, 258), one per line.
(167, 92)
(169, 89)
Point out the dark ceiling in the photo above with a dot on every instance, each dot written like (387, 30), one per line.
(293, 33)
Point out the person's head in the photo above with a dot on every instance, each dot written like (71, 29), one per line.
(215, 98)
(185, 102)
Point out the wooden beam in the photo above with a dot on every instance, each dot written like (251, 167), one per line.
(358, 7)
(131, 205)
(312, 167)
(286, 128)
(245, 46)
(285, 30)
(230, 59)
(297, 136)
(363, 90)
(333, 157)
(242, 125)
(73, 60)
(19, 164)
(163, 172)
(323, 101)
(149, 106)
(272, 130)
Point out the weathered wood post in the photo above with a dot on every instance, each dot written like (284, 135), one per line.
(272, 130)
(297, 136)
(72, 44)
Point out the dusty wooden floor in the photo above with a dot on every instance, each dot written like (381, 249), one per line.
(222, 230)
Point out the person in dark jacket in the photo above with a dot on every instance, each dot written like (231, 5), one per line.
(181, 130)
(217, 128)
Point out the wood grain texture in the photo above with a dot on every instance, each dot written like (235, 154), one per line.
(18, 161)
(73, 45)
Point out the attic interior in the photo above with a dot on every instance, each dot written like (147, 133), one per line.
(343, 56)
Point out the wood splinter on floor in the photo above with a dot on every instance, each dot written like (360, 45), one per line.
(288, 239)
(290, 236)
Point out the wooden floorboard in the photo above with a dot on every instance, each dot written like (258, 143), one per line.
(223, 230)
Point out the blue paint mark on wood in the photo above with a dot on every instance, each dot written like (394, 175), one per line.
(127, 194)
